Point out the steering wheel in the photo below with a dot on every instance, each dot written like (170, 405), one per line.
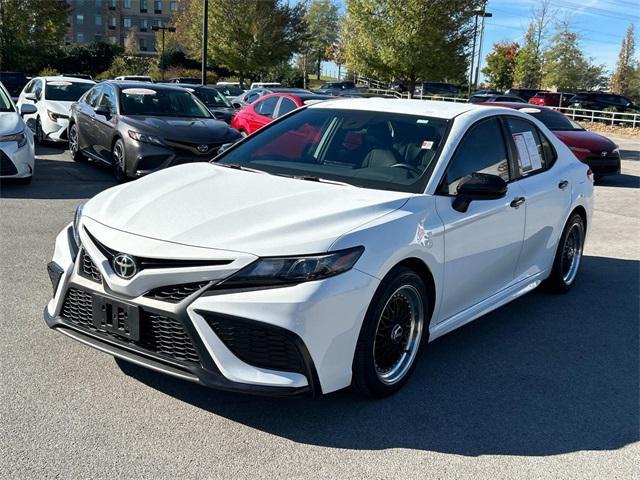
(406, 166)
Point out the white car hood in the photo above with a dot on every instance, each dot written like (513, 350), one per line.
(58, 106)
(10, 123)
(217, 207)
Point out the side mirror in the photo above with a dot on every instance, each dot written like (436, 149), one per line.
(478, 186)
(28, 109)
(236, 105)
(31, 96)
(102, 110)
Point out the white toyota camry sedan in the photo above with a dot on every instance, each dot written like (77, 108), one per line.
(326, 250)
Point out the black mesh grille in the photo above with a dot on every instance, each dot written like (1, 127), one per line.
(6, 165)
(175, 293)
(257, 344)
(87, 268)
(158, 333)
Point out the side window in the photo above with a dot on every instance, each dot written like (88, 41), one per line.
(93, 95)
(267, 106)
(532, 152)
(286, 105)
(37, 89)
(29, 87)
(482, 151)
(108, 98)
(252, 97)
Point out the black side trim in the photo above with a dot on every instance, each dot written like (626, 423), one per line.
(55, 272)
(308, 368)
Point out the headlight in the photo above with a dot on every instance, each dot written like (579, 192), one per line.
(615, 151)
(289, 270)
(19, 137)
(56, 116)
(143, 137)
(76, 224)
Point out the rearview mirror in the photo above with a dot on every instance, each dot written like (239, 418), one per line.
(28, 109)
(102, 110)
(478, 186)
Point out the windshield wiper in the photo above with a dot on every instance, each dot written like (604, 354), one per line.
(313, 178)
(235, 166)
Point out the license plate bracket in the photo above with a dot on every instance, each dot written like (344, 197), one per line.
(116, 317)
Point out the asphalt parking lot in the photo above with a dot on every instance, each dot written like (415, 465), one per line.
(545, 387)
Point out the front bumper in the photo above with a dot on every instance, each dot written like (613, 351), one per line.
(55, 131)
(17, 162)
(295, 340)
(607, 165)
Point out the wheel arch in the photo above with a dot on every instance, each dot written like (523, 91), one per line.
(422, 269)
(580, 210)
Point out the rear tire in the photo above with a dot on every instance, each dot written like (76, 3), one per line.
(568, 256)
(119, 161)
(74, 144)
(391, 334)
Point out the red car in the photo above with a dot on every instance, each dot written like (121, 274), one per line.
(551, 99)
(597, 151)
(266, 109)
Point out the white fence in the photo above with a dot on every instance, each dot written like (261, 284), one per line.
(612, 118)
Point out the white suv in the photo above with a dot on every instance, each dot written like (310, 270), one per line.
(52, 97)
(326, 249)
(17, 154)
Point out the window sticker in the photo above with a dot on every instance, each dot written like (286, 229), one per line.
(528, 154)
(426, 145)
(422, 121)
(138, 91)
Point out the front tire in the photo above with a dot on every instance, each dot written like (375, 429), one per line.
(39, 136)
(74, 144)
(119, 161)
(391, 334)
(568, 256)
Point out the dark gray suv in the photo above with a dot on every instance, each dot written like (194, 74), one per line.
(138, 128)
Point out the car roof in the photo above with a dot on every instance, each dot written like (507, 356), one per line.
(432, 108)
(60, 78)
(514, 105)
(133, 84)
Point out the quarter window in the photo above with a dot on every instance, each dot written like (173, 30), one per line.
(482, 150)
(108, 99)
(286, 105)
(533, 151)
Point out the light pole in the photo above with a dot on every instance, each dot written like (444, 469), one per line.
(205, 38)
(162, 59)
(482, 14)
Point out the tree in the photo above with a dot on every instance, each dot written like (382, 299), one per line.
(410, 39)
(529, 62)
(30, 30)
(501, 64)
(246, 36)
(622, 79)
(566, 68)
(335, 52)
(322, 24)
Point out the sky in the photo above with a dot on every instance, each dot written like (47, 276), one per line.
(600, 24)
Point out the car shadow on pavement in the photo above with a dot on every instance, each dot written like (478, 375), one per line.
(619, 180)
(60, 179)
(544, 375)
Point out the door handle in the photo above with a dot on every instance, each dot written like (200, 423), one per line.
(563, 184)
(516, 202)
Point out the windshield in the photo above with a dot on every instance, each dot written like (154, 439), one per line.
(387, 151)
(161, 103)
(5, 102)
(212, 97)
(554, 120)
(65, 91)
(230, 91)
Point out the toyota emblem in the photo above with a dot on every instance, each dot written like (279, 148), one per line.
(124, 265)
(603, 154)
(203, 148)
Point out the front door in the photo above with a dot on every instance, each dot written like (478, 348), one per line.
(482, 245)
(105, 124)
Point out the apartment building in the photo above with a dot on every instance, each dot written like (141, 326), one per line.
(116, 21)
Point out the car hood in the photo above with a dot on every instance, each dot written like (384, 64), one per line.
(58, 106)
(10, 123)
(196, 130)
(585, 139)
(209, 206)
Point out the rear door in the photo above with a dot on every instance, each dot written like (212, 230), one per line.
(482, 245)
(547, 192)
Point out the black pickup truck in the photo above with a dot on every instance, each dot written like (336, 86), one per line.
(340, 88)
